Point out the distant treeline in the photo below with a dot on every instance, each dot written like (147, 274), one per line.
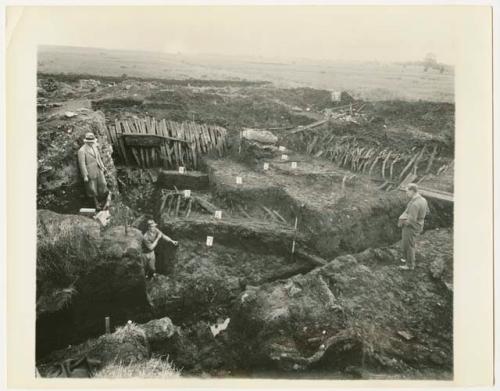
(427, 64)
(75, 77)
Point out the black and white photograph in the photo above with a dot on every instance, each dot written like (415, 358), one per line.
(245, 193)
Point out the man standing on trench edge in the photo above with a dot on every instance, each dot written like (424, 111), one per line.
(150, 240)
(412, 223)
(92, 169)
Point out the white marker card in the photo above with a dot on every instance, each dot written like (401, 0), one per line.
(284, 157)
(218, 214)
(294, 164)
(282, 148)
(239, 180)
(266, 166)
(210, 240)
(187, 193)
(182, 170)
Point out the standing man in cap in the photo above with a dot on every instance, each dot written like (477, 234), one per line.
(150, 240)
(92, 169)
(412, 223)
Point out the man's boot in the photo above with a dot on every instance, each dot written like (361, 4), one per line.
(97, 205)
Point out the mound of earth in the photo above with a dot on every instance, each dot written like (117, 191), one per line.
(127, 345)
(59, 182)
(84, 275)
(359, 311)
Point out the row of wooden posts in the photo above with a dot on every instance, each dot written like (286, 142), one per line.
(148, 142)
(385, 163)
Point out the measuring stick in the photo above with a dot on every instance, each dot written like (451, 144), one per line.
(294, 237)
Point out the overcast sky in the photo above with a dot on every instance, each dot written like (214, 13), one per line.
(315, 32)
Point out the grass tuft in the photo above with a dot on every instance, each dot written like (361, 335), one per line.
(156, 367)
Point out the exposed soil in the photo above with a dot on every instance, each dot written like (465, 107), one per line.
(341, 276)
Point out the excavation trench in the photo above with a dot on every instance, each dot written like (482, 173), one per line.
(202, 284)
(337, 304)
(199, 285)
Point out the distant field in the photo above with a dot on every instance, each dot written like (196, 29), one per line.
(371, 81)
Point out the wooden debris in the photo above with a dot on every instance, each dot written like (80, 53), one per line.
(431, 160)
(243, 211)
(271, 214)
(310, 257)
(279, 216)
(179, 198)
(209, 207)
(190, 202)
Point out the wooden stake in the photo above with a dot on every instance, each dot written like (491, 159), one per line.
(189, 207)
(294, 236)
(107, 324)
(178, 205)
(126, 222)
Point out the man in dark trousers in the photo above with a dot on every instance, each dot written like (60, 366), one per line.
(150, 240)
(412, 223)
(92, 169)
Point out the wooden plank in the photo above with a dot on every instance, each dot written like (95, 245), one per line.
(149, 150)
(179, 198)
(182, 136)
(157, 147)
(271, 214)
(192, 145)
(243, 211)
(123, 149)
(207, 138)
(408, 165)
(431, 193)
(187, 146)
(136, 129)
(149, 140)
(202, 138)
(431, 160)
(384, 163)
(190, 202)
(128, 126)
(165, 146)
(279, 216)
(171, 202)
(142, 151)
(127, 129)
(173, 131)
(197, 139)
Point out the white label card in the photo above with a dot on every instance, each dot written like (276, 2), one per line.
(266, 166)
(210, 240)
(218, 214)
(284, 157)
(182, 170)
(294, 164)
(239, 180)
(187, 193)
(282, 148)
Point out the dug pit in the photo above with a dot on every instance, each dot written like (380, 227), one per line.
(302, 256)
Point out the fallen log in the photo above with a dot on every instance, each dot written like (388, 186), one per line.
(318, 261)
(209, 207)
